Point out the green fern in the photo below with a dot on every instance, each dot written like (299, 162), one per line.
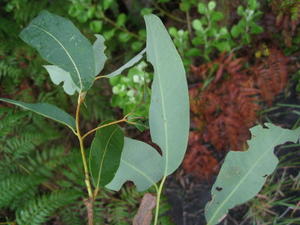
(14, 187)
(38, 210)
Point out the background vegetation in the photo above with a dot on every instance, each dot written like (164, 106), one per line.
(242, 62)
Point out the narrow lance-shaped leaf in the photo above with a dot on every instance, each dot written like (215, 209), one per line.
(169, 108)
(59, 42)
(140, 163)
(99, 56)
(244, 173)
(130, 63)
(46, 110)
(59, 75)
(105, 154)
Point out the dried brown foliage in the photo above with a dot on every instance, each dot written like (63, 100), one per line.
(287, 17)
(224, 110)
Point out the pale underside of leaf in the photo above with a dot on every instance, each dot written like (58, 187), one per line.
(59, 75)
(243, 173)
(169, 108)
(140, 163)
(46, 110)
(59, 42)
(99, 56)
(127, 65)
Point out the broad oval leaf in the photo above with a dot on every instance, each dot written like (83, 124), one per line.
(46, 110)
(99, 56)
(244, 173)
(105, 154)
(59, 42)
(169, 108)
(140, 163)
(130, 63)
(58, 75)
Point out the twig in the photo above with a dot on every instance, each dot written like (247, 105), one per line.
(89, 206)
(99, 77)
(167, 13)
(108, 20)
(89, 203)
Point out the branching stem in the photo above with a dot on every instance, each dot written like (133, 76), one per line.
(84, 161)
(99, 77)
(124, 119)
(108, 20)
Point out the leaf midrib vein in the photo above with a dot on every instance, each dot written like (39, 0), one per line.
(163, 107)
(240, 182)
(103, 156)
(139, 171)
(68, 54)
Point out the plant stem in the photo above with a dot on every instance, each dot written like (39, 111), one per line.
(168, 14)
(104, 125)
(89, 203)
(159, 191)
(99, 77)
(108, 20)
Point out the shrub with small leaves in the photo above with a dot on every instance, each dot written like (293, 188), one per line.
(132, 92)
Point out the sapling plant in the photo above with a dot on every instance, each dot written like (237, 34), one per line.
(112, 159)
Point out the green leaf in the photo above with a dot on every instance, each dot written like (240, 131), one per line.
(140, 163)
(216, 16)
(121, 19)
(124, 37)
(256, 29)
(58, 75)
(169, 108)
(235, 31)
(130, 63)
(244, 173)
(193, 52)
(146, 11)
(185, 6)
(59, 42)
(223, 46)
(109, 34)
(240, 10)
(46, 110)
(107, 3)
(197, 25)
(136, 45)
(99, 55)
(202, 8)
(96, 26)
(212, 5)
(105, 154)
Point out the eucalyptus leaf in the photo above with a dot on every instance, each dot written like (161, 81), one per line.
(244, 173)
(59, 42)
(46, 110)
(127, 65)
(105, 154)
(100, 57)
(169, 107)
(140, 163)
(59, 75)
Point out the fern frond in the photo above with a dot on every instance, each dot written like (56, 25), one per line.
(9, 69)
(75, 215)
(15, 186)
(38, 211)
(9, 121)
